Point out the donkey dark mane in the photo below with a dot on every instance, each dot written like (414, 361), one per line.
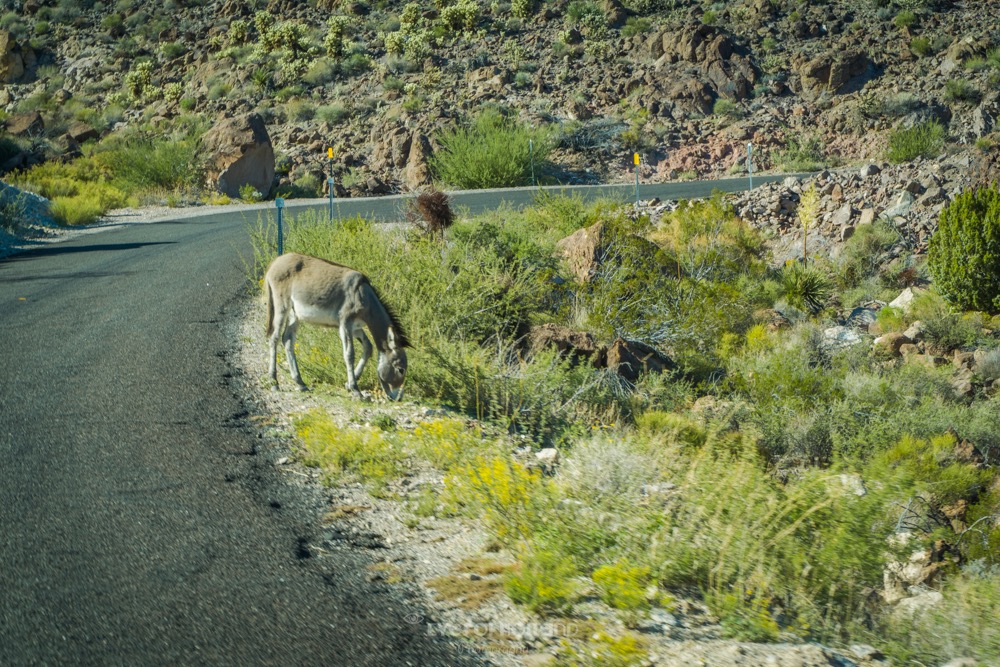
(397, 327)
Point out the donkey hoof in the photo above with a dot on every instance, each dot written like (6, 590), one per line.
(302, 387)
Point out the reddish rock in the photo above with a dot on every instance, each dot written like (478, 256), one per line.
(631, 359)
(28, 123)
(578, 345)
(892, 343)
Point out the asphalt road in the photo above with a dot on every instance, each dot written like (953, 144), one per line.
(140, 521)
(474, 202)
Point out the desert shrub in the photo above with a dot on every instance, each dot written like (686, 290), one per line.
(724, 107)
(434, 209)
(905, 19)
(865, 252)
(341, 452)
(964, 253)
(145, 164)
(804, 154)
(333, 113)
(693, 283)
(172, 50)
(922, 140)
(962, 624)
(921, 46)
(543, 583)
(636, 25)
(492, 151)
(960, 90)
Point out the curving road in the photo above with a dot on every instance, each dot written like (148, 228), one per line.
(139, 523)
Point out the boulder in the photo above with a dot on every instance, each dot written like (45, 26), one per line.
(28, 123)
(12, 63)
(840, 337)
(905, 298)
(583, 252)
(418, 173)
(632, 359)
(578, 345)
(830, 72)
(892, 343)
(79, 132)
(239, 153)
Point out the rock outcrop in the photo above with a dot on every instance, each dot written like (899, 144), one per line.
(239, 153)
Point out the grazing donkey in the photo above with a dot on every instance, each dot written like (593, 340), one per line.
(307, 289)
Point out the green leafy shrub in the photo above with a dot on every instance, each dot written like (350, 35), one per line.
(805, 154)
(543, 583)
(964, 253)
(865, 252)
(921, 46)
(960, 90)
(491, 152)
(724, 107)
(962, 624)
(636, 25)
(923, 140)
(905, 19)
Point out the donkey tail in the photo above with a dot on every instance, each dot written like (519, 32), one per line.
(270, 310)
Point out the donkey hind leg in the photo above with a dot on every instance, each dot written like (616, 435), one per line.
(366, 352)
(289, 339)
(347, 338)
(276, 331)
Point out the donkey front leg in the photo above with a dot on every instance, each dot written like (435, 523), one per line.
(366, 352)
(293, 365)
(347, 338)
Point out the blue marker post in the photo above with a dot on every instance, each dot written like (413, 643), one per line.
(279, 203)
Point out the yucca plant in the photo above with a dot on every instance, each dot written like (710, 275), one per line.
(805, 287)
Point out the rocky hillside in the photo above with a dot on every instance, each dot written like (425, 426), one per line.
(686, 84)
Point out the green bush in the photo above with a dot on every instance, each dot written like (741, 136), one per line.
(962, 624)
(804, 154)
(964, 253)
(960, 90)
(865, 252)
(921, 46)
(491, 152)
(543, 583)
(923, 140)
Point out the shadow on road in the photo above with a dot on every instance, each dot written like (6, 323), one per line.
(63, 249)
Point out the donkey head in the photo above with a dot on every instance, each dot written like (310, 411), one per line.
(392, 369)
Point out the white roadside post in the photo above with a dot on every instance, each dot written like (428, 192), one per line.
(531, 156)
(750, 164)
(279, 203)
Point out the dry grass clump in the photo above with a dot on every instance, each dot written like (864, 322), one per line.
(434, 209)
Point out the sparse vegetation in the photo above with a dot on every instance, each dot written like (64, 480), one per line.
(491, 151)
(923, 140)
